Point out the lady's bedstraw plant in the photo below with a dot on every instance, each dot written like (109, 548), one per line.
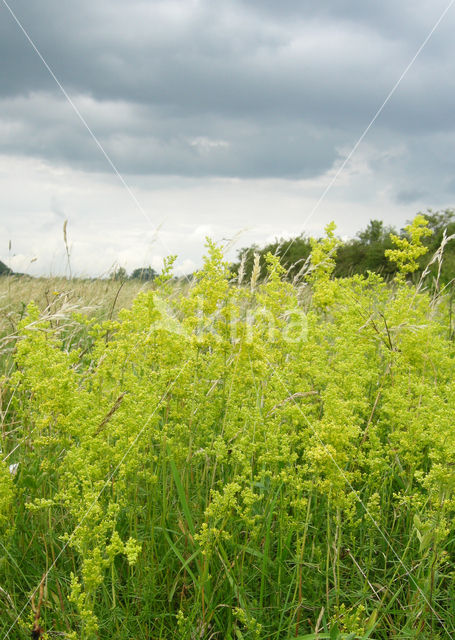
(6, 499)
(247, 422)
(323, 253)
(409, 250)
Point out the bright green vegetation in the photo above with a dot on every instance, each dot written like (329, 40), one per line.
(366, 252)
(238, 460)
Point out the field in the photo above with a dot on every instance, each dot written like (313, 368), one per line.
(239, 460)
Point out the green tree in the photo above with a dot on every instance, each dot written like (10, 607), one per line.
(119, 274)
(144, 273)
(4, 270)
(292, 253)
(375, 232)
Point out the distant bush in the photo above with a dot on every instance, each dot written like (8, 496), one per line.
(4, 270)
(144, 273)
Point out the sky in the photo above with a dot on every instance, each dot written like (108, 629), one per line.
(150, 125)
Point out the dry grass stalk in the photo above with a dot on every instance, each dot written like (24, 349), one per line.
(65, 240)
(256, 271)
(37, 630)
(437, 257)
(109, 415)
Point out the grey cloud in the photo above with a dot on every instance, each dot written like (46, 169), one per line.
(213, 59)
(407, 196)
(388, 16)
(152, 141)
(450, 185)
(233, 88)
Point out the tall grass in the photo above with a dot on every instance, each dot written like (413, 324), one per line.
(227, 461)
(57, 296)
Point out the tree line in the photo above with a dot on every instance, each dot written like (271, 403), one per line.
(365, 252)
(142, 273)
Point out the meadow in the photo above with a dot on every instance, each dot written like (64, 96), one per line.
(239, 459)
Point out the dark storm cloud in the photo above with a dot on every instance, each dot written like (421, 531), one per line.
(407, 196)
(229, 88)
(152, 141)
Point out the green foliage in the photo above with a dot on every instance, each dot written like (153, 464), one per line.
(6, 498)
(323, 254)
(408, 250)
(292, 253)
(144, 273)
(4, 270)
(366, 252)
(441, 223)
(224, 462)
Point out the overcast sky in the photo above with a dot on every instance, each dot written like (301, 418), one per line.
(226, 118)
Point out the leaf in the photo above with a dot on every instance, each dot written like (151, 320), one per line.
(334, 632)
(182, 495)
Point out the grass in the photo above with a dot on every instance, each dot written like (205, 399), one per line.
(227, 461)
(101, 297)
(97, 298)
